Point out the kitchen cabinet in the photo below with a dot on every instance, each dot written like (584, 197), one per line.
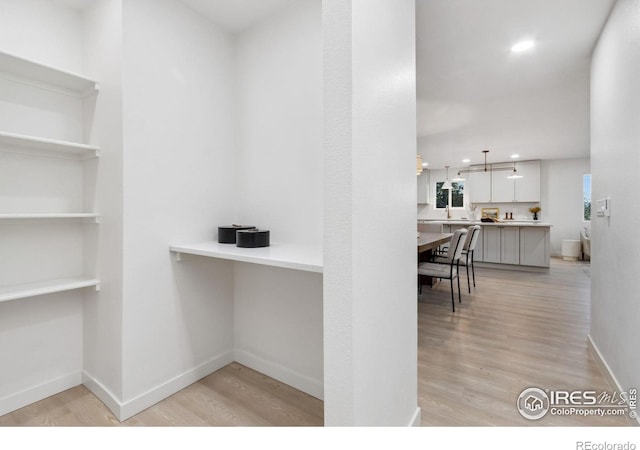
(534, 246)
(527, 188)
(478, 186)
(508, 243)
(423, 187)
(503, 189)
(501, 244)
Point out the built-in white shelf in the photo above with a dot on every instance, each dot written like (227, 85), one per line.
(46, 287)
(21, 68)
(49, 216)
(46, 147)
(288, 256)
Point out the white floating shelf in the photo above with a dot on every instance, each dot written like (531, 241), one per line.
(22, 68)
(46, 147)
(46, 287)
(288, 256)
(45, 216)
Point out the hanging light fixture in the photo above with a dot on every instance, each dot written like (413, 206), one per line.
(514, 175)
(487, 168)
(458, 177)
(418, 165)
(447, 183)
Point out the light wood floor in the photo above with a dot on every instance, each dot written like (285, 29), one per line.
(516, 330)
(233, 396)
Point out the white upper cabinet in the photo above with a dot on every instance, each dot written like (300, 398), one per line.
(479, 187)
(423, 187)
(496, 187)
(527, 188)
(502, 188)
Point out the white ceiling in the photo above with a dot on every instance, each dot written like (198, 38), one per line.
(236, 15)
(232, 15)
(474, 94)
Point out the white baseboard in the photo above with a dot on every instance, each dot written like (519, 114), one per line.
(608, 373)
(102, 392)
(124, 410)
(281, 373)
(34, 394)
(416, 418)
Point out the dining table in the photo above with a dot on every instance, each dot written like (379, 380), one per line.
(427, 243)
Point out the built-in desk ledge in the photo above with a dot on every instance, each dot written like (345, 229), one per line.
(289, 256)
(46, 287)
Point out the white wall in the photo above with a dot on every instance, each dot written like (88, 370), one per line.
(278, 186)
(178, 176)
(279, 124)
(44, 31)
(561, 190)
(102, 327)
(615, 107)
(40, 337)
(370, 350)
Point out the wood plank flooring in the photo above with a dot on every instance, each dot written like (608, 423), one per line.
(516, 330)
(233, 396)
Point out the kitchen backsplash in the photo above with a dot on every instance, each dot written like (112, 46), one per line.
(520, 211)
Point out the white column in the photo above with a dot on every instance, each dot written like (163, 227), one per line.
(370, 319)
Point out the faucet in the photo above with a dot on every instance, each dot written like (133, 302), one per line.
(448, 213)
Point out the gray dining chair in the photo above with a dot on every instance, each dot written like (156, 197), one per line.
(473, 234)
(447, 271)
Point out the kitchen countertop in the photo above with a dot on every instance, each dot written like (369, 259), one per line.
(502, 223)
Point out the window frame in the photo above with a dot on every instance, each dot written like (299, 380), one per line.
(449, 195)
(586, 197)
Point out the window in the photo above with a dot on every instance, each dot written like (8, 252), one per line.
(452, 197)
(586, 189)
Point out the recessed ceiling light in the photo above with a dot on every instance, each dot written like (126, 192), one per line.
(523, 46)
(515, 156)
(466, 160)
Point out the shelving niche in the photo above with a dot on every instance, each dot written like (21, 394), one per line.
(43, 174)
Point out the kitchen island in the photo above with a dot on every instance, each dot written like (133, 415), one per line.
(512, 244)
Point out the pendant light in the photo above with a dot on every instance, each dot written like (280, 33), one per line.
(514, 175)
(418, 165)
(447, 183)
(457, 178)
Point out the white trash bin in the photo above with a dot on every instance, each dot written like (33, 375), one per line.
(571, 250)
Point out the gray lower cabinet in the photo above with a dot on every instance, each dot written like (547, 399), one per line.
(491, 244)
(534, 246)
(501, 244)
(525, 246)
(510, 245)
